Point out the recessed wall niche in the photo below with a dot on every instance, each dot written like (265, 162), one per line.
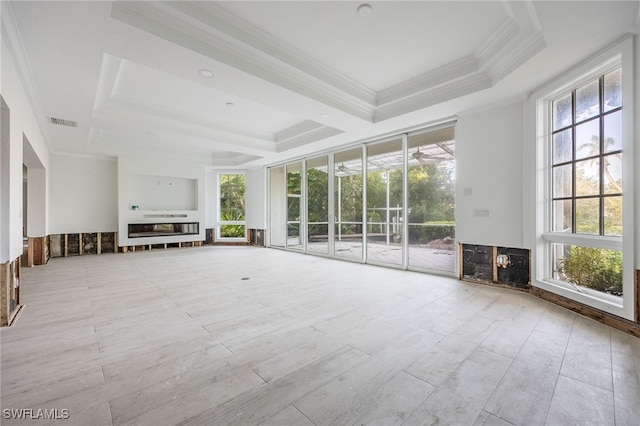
(164, 193)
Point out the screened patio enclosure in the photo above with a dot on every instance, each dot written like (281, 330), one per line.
(389, 202)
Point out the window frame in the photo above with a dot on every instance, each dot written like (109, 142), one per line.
(620, 55)
(220, 222)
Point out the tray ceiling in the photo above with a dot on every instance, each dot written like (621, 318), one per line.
(242, 84)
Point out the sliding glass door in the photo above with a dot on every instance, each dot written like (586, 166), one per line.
(388, 202)
(318, 205)
(294, 206)
(348, 192)
(385, 213)
(431, 196)
(277, 207)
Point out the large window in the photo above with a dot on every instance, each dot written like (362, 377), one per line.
(584, 144)
(587, 182)
(231, 212)
(587, 158)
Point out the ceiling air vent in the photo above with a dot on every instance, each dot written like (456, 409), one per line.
(63, 122)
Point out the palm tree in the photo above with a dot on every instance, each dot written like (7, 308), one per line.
(593, 147)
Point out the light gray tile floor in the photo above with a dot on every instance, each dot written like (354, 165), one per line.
(179, 337)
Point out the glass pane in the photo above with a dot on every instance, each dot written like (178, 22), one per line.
(562, 147)
(318, 205)
(613, 216)
(588, 139)
(613, 174)
(232, 197)
(277, 207)
(294, 207)
(588, 101)
(562, 112)
(294, 178)
(431, 209)
(384, 202)
(348, 203)
(588, 177)
(562, 179)
(613, 90)
(232, 231)
(294, 241)
(588, 216)
(613, 132)
(589, 267)
(317, 238)
(562, 216)
(348, 240)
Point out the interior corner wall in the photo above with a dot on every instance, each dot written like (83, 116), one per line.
(637, 153)
(256, 199)
(211, 199)
(23, 123)
(83, 195)
(489, 177)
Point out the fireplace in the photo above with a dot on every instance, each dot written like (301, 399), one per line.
(143, 230)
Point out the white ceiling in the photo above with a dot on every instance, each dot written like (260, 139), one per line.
(290, 77)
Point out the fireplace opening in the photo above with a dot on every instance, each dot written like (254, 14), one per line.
(140, 230)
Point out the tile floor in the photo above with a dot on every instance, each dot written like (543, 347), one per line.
(245, 336)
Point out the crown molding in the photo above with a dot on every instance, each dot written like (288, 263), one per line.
(442, 75)
(497, 41)
(521, 49)
(297, 130)
(312, 136)
(10, 35)
(468, 84)
(524, 13)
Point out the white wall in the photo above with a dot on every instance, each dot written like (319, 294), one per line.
(83, 195)
(489, 177)
(23, 123)
(256, 199)
(36, 201)
(637, 153)
(211, 199)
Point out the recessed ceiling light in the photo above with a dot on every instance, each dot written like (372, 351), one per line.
(325, 115)
(364, 9)
(229, 104)
(206, 73)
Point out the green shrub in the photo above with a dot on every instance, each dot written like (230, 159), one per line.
(594, 268)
